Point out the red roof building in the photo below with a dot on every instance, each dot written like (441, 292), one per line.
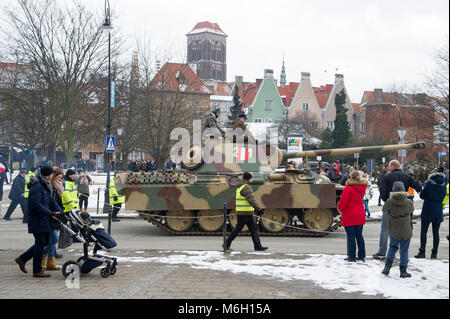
(287, 92)
(323, 94)
(208, 27)
(178, 77)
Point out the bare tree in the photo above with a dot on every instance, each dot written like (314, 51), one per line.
(67, 48)
(437, 82)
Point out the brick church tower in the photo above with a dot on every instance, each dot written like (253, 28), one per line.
(207, 52)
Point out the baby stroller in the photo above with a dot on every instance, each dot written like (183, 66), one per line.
(91, 233)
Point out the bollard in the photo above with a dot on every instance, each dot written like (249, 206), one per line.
(98, 199)
(224, 227)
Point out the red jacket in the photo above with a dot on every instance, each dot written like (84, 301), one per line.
(351, 205)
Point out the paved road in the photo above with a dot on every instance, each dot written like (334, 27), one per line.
(136, 237)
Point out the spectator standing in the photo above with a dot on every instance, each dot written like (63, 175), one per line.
(41, 207)
(83, 180)
(385, 187)
(16, 195)
(379, 182)
(353, 218)
(69, 196)
(433, 195)
(333, 174)
(399, 209)
(367, 195)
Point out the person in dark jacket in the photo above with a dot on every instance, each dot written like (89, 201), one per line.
(400, 209)
(385, 188)
(245, 207)
(41, 207)
(433, 194)
(379, 182)
(16, 195)
(333, 174)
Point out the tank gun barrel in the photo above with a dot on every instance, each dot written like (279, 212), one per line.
(343, 151)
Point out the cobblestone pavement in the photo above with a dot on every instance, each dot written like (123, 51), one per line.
(154, 280)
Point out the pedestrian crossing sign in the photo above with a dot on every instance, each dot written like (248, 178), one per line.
(110, 144)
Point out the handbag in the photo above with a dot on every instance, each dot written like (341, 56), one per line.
(65, 239)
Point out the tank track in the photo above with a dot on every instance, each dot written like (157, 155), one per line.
(287, 232)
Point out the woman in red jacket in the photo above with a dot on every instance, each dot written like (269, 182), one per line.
(353, 216)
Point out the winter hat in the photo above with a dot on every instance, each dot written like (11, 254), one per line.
(22, 171)
(398, 187)
(46, 170)
(70, 172)
(247, 176)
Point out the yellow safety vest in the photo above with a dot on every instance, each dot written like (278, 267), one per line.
(27, 180)
(446, 198)
(113, 192)
(242, 205)
(69, 197)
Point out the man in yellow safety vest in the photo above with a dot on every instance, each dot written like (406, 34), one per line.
(69, 197)
(115, 200)
(245, 207)
(31, 173)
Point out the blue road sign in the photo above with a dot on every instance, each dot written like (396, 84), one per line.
(110, 144)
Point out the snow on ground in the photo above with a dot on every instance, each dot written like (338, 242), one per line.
(430, 278)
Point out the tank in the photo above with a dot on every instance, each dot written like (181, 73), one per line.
(190, 201)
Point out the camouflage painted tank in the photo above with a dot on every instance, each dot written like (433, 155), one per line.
(191, 201)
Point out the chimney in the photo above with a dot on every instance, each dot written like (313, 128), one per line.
(339, 78)
(378, 94)
(239, 79)
(306, 76)
(268, 74)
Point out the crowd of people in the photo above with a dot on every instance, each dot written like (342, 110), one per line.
(398, 208)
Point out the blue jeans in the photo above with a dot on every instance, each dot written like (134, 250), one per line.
(355, 237)
(393, 247)
(366, 206)
(50, 249)
(384, 234)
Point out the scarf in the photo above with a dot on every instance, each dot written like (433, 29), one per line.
(47, 183)
(58, 187)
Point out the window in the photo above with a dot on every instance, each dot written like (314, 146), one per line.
(315, 125)
(267, 120)
(363, 127)
(257, 120)
(350, 126)
(330, 125)
(305, 106)
(268, 105)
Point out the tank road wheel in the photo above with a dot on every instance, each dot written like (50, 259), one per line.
(318, 218)
(275, 220)
(179, 220)
(210, 220)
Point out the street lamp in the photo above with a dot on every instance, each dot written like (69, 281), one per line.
(107, 26)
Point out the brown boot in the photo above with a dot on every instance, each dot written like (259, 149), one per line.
(51, 264)
(21, 264)
(41, 275)
(44, 262)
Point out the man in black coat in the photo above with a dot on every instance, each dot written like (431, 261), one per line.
(16, 195)
(41, 206)
(385, 187)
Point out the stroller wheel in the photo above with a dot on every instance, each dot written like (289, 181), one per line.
(113, 270)
(105, 272)
(70, 267)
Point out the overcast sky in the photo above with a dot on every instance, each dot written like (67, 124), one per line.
(374, 43)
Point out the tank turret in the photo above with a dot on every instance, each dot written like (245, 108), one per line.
(297, 202)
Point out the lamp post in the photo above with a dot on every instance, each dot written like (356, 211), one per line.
(107, 26)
